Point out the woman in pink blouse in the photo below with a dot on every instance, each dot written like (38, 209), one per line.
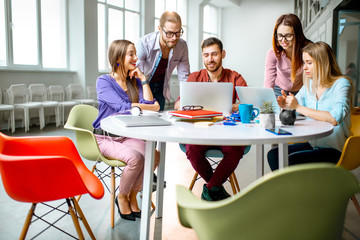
(283, 66)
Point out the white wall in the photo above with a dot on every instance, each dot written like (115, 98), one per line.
(247, 35)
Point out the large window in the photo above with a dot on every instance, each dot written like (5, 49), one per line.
(179, 6)
(34, 34)
(211, 16)
(117, 19)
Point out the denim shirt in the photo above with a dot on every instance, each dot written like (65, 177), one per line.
(337, 101)
(148, 52)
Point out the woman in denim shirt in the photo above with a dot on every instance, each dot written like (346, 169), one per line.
(325, 96)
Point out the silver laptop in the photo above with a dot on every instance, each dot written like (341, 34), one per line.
(256, 95)
(212, 96)
(140, 121)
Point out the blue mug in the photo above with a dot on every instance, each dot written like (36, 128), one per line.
(247, 112)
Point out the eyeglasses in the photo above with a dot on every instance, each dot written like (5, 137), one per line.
(192, 107)
(171, 34)
(288, 37)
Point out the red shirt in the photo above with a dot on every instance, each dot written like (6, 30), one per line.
(227, 75)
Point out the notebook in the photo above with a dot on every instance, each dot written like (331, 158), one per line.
(212, 96)
(140, 121)
(256, 95)
(196, 113)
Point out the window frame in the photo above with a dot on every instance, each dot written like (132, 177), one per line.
(123, 9)
(9, 58)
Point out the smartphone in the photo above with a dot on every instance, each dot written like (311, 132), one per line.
(279, 131)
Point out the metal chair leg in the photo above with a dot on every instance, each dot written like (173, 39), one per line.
(27, 222)
(112, 196)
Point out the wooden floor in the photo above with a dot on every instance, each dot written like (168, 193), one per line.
(178, 171)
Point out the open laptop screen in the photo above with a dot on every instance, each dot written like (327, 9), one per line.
(212, 96)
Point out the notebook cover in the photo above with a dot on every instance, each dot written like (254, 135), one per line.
(195, 113)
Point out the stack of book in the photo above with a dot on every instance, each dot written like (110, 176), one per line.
(197, 115)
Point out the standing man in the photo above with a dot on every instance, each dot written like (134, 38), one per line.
(213, 190)
(160, 52)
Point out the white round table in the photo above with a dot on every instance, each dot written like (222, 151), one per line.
(216, 134)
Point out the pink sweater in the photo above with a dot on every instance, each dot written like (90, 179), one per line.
(278, 72)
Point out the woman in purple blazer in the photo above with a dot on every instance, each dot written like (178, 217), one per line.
(126, 87)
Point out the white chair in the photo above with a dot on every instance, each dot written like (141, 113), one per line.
(56, 93)
(92, 94)
(19, 97)
(37, 93)
(8, 109)
(75, 92)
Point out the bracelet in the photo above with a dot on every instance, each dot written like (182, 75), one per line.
(144, 82)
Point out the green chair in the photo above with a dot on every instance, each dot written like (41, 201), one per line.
(306, 201)
(80, 120)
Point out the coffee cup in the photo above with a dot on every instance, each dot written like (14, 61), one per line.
(247, 113)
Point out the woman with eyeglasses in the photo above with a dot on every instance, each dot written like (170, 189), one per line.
(125, 88)
(283, 65)
(325, 96)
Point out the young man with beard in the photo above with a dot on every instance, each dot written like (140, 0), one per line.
(212, 54)
(160, 52)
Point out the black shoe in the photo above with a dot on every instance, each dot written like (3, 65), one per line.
(129, 216)
(137, 214)
(155, 181)
(209, 195)
(223, 194)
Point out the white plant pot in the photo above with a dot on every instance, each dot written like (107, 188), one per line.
(267, 120)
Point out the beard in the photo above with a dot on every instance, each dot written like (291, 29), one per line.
(168, 44)
(214, 69)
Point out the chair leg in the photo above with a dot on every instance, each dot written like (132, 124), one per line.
(112, 200)
(83, 219)
(193, 181)
(75, 220)
(232, 183)
(27, 222)
(353, 198)
(236, 182)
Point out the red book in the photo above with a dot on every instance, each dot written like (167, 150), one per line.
(195, 113)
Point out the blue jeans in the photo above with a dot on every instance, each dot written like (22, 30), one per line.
(277, 91)
(304, 153)
(157, 89)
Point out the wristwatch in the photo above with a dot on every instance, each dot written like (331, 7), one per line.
(135, 111)
(144, 82)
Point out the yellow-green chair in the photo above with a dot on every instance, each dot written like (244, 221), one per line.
(350, 157)
(306, 201)
(80, 120)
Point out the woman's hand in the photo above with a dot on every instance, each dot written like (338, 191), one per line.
(291, 102)
(281, 99)
(137, 73)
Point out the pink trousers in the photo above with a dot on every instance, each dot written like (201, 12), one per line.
(132, 152)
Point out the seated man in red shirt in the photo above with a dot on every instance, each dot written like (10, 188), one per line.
(212, 54)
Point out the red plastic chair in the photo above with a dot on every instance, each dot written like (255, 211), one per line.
(41, 169)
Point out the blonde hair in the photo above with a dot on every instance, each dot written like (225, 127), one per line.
(169, 17)
(325, 68)
(117, 50)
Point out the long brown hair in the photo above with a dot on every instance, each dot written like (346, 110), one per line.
(325, 67)
(117, 50)
(300, 41)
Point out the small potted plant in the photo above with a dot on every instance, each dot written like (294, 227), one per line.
(267, 114)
